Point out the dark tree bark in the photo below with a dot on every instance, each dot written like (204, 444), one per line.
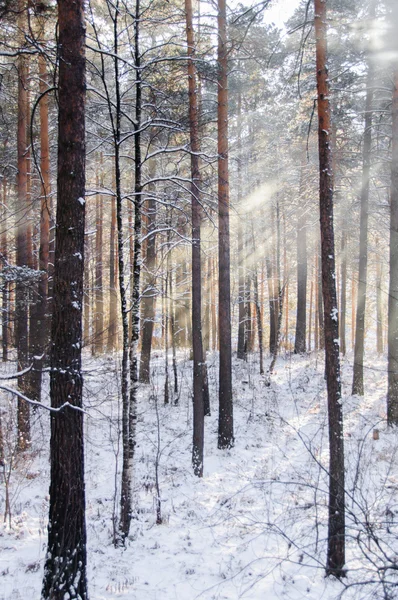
(301, 319)
(357, 383)
(392, 394)
(279, 287)
(225, 418)
(273, 305)
(336, 523)
(197, 346)
(65, 567)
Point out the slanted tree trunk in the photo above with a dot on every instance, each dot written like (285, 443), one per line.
(357, 383)
(65, 567)
(336, 524)
(392, 393)
(225, 420)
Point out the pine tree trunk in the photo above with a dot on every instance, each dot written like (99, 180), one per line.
(336, 523)
(39, 326)
(392, 394)
(242, 347)
(225, 420)
(5, 305)
(198, 359)
(22, 243)
(357, 384)
(65, 567)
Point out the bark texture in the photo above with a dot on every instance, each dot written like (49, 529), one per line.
(336, 524)
(392, 393)
(225, 419)
(65, 567)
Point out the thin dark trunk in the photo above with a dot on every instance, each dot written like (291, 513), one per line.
(301, 319)
(357, 383)
(99, 292)
(197, 346)
(242, 346)
(5, 305)
(225, 420)
(392, 394)
(65, 567)
(336, 523)
(125, 493)
(343, 296)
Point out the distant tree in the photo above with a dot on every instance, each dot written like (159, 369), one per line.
(65, 566)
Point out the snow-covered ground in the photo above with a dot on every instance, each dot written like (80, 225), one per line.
(254, 527)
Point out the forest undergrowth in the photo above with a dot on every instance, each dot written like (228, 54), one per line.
(254, 527)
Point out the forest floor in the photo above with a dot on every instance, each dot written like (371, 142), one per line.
(254, 527)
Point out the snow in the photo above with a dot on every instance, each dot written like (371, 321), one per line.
(254, 527)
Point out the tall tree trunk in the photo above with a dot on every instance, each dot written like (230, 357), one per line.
(135, 297)
(65, 567)
(39, 324)
(5, 305)
(392, 393)
(336, 523)
(321, 323)
(225, 418)
(99, 292)
(125, 492)
(198, 380)
(242, 346)
(22, 242)
(357, 383)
